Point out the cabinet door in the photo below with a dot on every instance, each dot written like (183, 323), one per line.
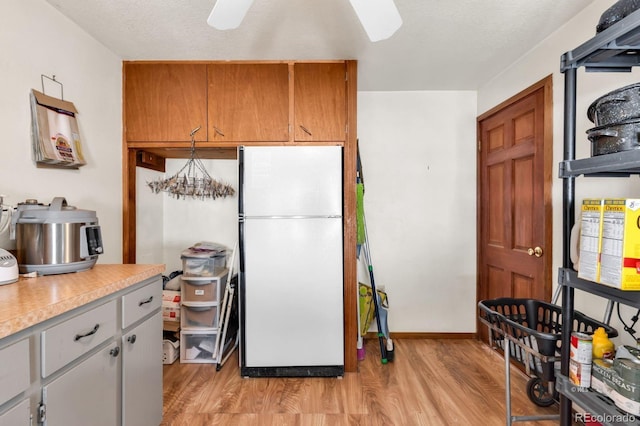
(18, 415)
(142, 374)
(248, 102)
(165, 102)
(86, 394)
(15, 374)
(320, 107)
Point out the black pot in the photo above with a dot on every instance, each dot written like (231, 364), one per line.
(615, 138)
(616, 107)
(621, 9)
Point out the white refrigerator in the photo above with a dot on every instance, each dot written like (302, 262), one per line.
(291, 261)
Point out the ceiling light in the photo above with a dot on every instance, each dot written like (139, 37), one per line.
(379, 18)
(228, 14)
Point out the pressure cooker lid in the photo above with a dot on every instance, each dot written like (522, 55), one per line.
(58, 211)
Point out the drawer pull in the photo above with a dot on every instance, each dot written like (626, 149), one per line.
(92, 332)
(304, 129)
(131, 339)
(115, 351)
(144, 302)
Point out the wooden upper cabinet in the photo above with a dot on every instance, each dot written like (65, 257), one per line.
(320, 109)
(164, 102)
(248, 102)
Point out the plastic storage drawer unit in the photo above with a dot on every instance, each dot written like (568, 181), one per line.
(198, 347)
(201, 291)
(203, 266)
(204, 259)
(199, 316)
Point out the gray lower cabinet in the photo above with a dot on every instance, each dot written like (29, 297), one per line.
(142, 374)
(98, 365)
(19, 414)
(86, 394)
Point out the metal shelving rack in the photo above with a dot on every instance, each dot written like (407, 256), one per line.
(616, 49)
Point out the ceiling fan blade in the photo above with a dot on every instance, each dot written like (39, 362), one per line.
(228, 14)
(380, 18)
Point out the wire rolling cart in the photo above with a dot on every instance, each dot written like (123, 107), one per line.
(529, 332)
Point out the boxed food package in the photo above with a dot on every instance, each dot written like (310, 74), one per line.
(170, 306)
(620, 244)
(590, 238)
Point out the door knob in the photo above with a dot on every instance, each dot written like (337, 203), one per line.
(537, 252)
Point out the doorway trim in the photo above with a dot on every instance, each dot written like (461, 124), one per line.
(546, 84)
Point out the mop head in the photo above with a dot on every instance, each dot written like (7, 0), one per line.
(360, 213)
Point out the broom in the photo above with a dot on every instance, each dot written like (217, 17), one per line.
(367, 256)
(360, 238)
(360, 241)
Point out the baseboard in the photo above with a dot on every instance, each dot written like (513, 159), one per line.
(414, 335)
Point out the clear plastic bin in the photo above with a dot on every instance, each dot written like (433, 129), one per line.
(199, 316)
(200, 291)
(203, 266)
(198, 347)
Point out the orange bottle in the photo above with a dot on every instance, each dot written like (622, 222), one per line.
(603, 348)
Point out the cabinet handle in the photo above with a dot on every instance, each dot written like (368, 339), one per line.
(218, 131)
(144, 302)
(131, 339)
(80, 336)
(115, 351)
(304, 129)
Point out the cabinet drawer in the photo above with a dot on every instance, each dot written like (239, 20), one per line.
(14, 370)
(74, 337)
(141, 302)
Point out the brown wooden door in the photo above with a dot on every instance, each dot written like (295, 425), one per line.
(164, 102)
(514, 197)
(248, 102)
(320, 102)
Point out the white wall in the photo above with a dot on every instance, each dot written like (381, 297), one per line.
(535, 65)
(36, 39)
(166, 225)
(419, 163)
(149, 219)
(419, 160)
(188, 221)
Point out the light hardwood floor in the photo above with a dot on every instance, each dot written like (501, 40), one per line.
(431, 382)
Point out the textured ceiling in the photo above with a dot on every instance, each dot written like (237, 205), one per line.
(442, 45)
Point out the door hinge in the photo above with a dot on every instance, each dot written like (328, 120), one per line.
(479, 145)
(42, 413)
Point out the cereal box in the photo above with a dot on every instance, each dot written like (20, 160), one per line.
(620, 244)
(590, 233)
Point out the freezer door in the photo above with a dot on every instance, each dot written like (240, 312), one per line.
(293, 292)
(292, 181)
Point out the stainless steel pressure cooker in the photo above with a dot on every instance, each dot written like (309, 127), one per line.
(55, 238)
